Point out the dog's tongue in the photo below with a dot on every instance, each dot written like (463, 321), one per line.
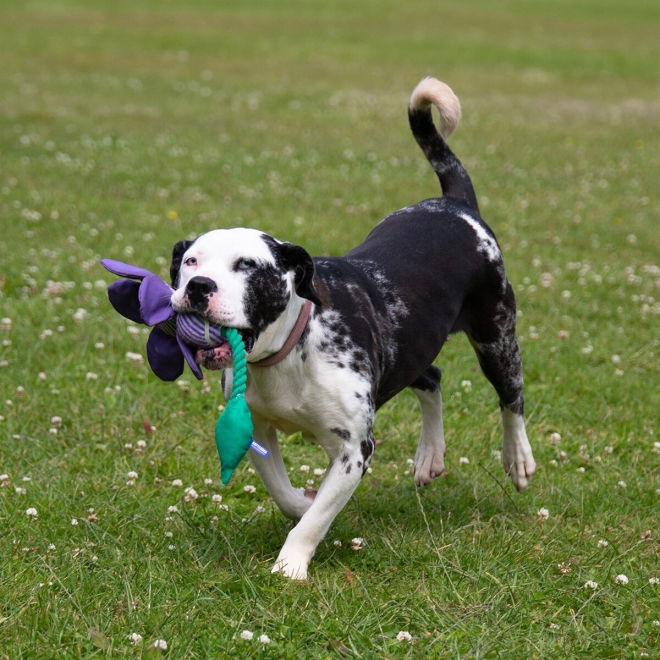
(219, 357)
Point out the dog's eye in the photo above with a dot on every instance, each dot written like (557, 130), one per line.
(244, 264)
(190, 261)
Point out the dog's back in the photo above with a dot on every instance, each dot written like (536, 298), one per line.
(432, 259)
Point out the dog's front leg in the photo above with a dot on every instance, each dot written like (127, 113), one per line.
(292, 501)
(349, 461)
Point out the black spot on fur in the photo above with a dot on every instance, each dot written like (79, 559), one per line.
(344, 434)
(266, 296)
(348, 468)
(344, 458)
(367, 449)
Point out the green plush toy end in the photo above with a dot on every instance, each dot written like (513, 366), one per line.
(234, 429)
(233, 435)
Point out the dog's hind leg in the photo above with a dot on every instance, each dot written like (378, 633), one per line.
(494, 340)
(430, 456)
(292, 501)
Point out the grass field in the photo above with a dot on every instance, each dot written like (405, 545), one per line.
(126, 126)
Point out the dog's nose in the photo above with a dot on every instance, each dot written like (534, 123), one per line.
(198, 291)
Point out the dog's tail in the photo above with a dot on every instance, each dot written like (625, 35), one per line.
(454, 180)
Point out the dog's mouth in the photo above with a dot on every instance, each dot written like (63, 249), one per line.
(220, 357)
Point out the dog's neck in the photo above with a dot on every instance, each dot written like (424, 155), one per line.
(277, 340)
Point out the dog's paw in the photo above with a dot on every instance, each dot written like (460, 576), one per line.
(519, 464)
(291, 565)
(429, 464)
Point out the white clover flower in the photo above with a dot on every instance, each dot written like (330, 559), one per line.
(177, 483)
(543, 513)
(134, 357)
(249, 489)
(463, 460)
(319, 472)
(135, 638)
(337, 543)
(171, 547)
(5, 323)
(264, 639)
(304, 468)
(190, 495)
(603, 543)
(466, 385)
(74, 521)
(79, 314)
(404, 636)
(622, 484)
(621, 579)
(132, 475)
(590, 584)
(208, 482)
(20, 491)
(160, 644)
(247, 635)
(216, 499)
(31, 513)
(357, 543)
(91, 376)
(554, 438)
(654, 580)
(56, 420)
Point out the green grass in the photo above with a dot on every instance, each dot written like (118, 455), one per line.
(126, 126)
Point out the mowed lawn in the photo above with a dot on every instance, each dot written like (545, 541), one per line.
(126, 126)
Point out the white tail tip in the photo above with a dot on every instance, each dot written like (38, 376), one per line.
(431, 91)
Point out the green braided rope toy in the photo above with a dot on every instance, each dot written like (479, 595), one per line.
(234, 429)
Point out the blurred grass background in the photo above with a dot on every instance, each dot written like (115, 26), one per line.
(127, 126)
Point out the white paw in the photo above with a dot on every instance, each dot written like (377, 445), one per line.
(429, 464)
(519, 464)
(291, 565)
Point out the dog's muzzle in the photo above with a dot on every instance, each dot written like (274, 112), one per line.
(198, 291)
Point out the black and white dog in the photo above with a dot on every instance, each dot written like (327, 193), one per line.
(379, 317)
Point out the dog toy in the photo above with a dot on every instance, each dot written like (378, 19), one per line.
(233, 430)
(145, 298)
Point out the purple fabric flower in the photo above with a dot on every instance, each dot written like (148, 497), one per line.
(145, 298)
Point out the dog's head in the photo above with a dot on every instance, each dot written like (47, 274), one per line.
(240, 278)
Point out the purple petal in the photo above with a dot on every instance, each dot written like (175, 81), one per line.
(164, 355)
(124, 270)
(155, 297)
(190, 358)
(123, 296)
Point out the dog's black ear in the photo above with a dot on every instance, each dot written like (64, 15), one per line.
(178, 251)
(297, 259)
